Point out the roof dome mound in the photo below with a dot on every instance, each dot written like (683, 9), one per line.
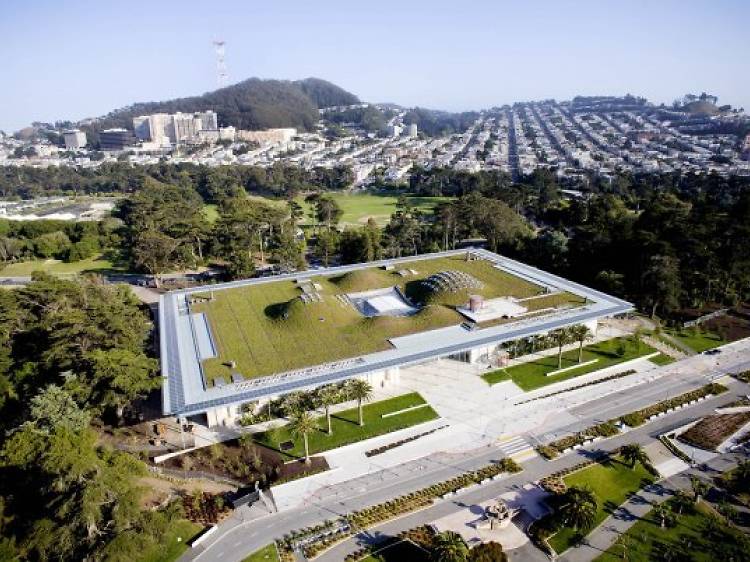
(451, 281)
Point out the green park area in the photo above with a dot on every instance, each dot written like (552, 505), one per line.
(535, 374)
(98, 264)
(266, 554)
(696, 339)
(612, 482)
(696, 533)
(173, 543)
(661, 359)
(346, 428)
(268, 328)
(357, 207)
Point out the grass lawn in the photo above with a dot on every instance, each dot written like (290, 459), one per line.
(170, 548)
(687, 540)
(346, 428)
(661, 359)
(698, 341)
(268, 552)
(399, 552)
(258, 326)
(57, 267)
(612, 482)
(533, 375)
(357, 208)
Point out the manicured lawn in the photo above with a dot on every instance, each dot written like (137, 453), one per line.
(170, 548)
(346, 428)
(267, 553)
(612, 482)
(267, 329)
(57, 267)
(687, 540)
(402, 551)
(698, 341)
(661, 359)
(533, 375)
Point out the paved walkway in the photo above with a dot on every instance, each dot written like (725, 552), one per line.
(625, 516)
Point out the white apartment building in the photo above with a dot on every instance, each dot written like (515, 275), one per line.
(74, 139)
(175, 128)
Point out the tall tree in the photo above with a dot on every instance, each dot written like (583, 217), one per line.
(361, 391)
(301, 425)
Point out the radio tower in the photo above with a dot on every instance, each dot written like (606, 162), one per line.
(222, 77)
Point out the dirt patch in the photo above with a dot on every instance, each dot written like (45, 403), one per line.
(161, 490)
(246, 462)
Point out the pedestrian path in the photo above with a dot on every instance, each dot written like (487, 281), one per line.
(516, 448)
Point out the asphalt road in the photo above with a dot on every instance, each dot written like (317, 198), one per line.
(235, 538)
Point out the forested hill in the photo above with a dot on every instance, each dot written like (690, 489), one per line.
(250, 104)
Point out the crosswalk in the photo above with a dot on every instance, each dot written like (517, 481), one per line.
(516, 448)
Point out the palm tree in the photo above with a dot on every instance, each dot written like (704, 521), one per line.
(633, 453)
(361, 391)
(578, 508)
(664, 514)
(700, 488)
(560, 336)
(449, 547)
(681, 501)
(328, 397)
(581, 333)
(301, 425)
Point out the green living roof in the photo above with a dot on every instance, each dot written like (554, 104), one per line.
(266, 328)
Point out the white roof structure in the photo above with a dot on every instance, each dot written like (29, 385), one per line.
(183, 346)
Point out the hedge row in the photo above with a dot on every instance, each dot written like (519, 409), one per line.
(633, 419)
(584, 385)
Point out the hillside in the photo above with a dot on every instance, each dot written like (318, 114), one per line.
(250, 104)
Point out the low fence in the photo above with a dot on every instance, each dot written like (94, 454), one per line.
(195, 474)
(705, 318)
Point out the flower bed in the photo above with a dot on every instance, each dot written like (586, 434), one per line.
(584, 385)
(665, 405)
(389, 446)
(744, 376)
(667, 442)
(712, 431)
(602, 430)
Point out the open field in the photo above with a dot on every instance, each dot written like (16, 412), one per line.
(533, 375)
(58, 267)
(266, 554)
(170, 548)
(357, 208)
(612, 482)
(689, 539)
(267, 329)
(346, 428)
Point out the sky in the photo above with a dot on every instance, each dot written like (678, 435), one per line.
(73, 59)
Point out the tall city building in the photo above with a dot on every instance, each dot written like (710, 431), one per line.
(413, 130)
(74, 139)
(175, 128)
(116, 139)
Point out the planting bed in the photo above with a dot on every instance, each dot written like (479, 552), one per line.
(712, 431)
